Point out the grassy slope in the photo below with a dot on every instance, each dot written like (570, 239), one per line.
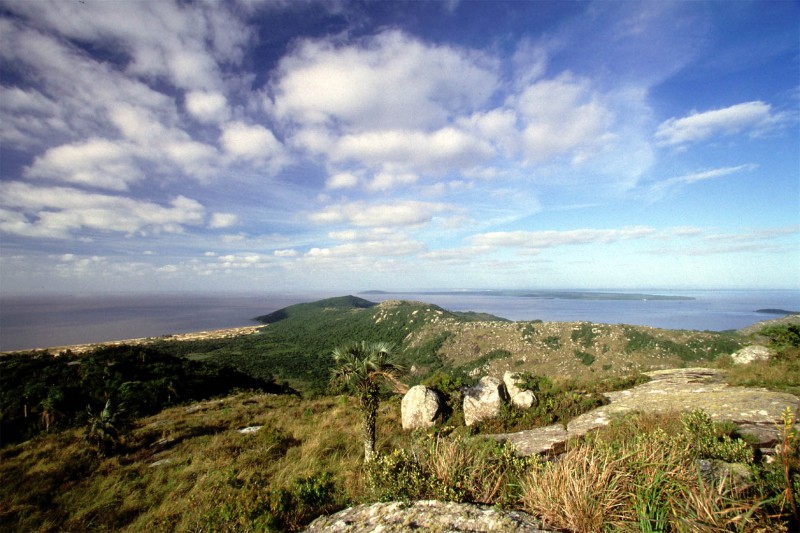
(296, 343)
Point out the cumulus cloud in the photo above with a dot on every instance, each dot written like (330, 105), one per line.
(207, 106)
(560, 115)
(390, 80)
(402, 213)
(95, 162)
(161, 39)
(385, 181)
(439, 152)
(223, 220)
(755, 116)
(59, 212)
(342, 180)
(251, 142)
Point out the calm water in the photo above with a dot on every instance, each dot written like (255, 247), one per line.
(34, 322)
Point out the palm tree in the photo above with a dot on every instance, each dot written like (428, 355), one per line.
(361, 367)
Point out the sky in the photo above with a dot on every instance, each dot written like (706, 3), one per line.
(291, 145)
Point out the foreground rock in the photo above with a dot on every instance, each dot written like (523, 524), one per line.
(484, 400)
(426, 515)
(754, 411)
(523, 399)
(419, 407)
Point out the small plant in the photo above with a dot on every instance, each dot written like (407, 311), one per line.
(787, 455)
(701, 440)
(553, 342)
(103, 429)
(584, 357)
(584, 335)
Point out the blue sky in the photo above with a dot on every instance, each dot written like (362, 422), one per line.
(301, 145)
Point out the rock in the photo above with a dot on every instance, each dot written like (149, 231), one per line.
(249, 430)
(749, 354)
(483, 401)
(738, 475)
(425, 515)
(549, 440)
(419, 407)
(524, 399)
(756, 411)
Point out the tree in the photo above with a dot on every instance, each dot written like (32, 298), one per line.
(102, 430)
(362, 367)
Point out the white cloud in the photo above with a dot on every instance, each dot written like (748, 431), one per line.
(755, 116)
(223, 220)
(440, 151)
(560, 116)
(385, 181)
(207, 106)
(342, 180)
(250, 142)
(59, 212)
(182, 43)
(663, 187)
(390, 80)
(95, 162)
(554, 238)
(402, 213)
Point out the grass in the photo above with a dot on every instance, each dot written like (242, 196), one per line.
(189, 469)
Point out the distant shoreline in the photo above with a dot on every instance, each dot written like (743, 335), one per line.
(77, 349)
(546, 294)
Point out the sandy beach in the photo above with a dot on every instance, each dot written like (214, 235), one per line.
(192, 336)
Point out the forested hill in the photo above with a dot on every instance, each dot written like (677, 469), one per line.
(309, 310)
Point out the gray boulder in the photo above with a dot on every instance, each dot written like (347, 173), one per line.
(749, 354)
(484, 400)
(419, 407)
(426, 515)
(524, 399)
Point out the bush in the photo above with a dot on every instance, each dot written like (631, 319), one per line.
(448, 468)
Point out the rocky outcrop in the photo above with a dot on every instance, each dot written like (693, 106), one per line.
(755, 411)
(425, 515)
(523, 399)
(750, 354)
(419, 407)
(484, 400)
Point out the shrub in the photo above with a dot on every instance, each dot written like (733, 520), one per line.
(585, 358)
(448, 468)
(584, 335)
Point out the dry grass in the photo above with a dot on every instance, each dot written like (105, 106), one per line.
(209, 477)
(583, 492)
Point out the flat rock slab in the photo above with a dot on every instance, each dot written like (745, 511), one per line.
(754, 410)
(549, 440)
(425, 515)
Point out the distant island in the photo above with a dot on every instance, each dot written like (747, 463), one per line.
(544, 294)
(777, 312)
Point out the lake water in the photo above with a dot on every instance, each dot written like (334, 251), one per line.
(41, 321)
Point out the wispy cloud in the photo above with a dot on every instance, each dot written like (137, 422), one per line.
(756, 117)
(552, 239)
(671, 185)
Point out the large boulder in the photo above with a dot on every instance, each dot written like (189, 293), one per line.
(749, 354)
(524, 399)
(426, 515)
(419, 407)
(484, 400)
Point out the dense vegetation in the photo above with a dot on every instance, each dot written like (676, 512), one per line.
(45, 392)
(132, 462)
